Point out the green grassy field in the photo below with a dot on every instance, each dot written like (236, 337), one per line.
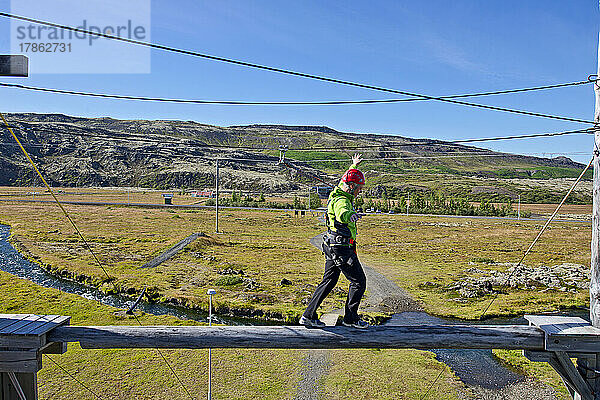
(423, 255)
(237, 373)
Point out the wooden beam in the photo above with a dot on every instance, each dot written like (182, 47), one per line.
(573, 376)
(297, 337)
(20, 361)
(17, 66)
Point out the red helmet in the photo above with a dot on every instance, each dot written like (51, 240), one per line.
(354, 175)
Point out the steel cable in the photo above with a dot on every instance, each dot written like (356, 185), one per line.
(293, 73)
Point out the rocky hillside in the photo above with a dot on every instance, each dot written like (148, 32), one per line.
(181, 154)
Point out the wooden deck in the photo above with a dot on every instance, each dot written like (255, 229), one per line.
(28, 330)
(23, 340)
(567, 333)
(566, 338)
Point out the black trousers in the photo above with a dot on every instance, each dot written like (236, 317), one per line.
(340, 259)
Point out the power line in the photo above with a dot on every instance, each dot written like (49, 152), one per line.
(293, 73)
(284, 103)
(533, 135)
(446, 143)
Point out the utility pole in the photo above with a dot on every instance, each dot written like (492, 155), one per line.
(407, 201)
(519, 209)
(217, 197)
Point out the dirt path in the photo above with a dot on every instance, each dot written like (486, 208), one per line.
(384, 295)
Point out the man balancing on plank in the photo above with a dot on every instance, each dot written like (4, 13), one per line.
(339, 247)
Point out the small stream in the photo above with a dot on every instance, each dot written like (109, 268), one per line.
(474, 367)
(14, 263)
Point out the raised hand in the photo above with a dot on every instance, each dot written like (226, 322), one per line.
(357, 159)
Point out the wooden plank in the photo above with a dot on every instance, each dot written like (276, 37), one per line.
(44, 325)
(297, 337)
(546, 356)
(538, 356)
(44, 320)
(54, 348)
(20, 324)
(555, 321)
(578, 331)
(22, 342)
(20, 361)
(18, 355)
(61, 320)
(21, 366)
(7, 320)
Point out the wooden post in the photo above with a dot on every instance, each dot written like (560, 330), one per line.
(595, 263)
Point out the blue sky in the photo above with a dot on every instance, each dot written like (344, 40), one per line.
(431, 47)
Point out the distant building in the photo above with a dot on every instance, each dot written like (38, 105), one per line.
(203, 193)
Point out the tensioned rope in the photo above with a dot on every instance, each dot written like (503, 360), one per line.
(167, 363)
(293, 73)
(80, 235)
(284, 103)
(433, 383)
(523, 257)
(507, 281)
(64, 211)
